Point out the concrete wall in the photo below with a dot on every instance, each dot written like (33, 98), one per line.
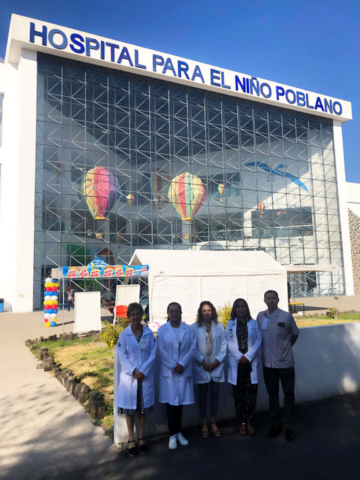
(343, 209)
(343, 304)
(353, 199)
(327, 364)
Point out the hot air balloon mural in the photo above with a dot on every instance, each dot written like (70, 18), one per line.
(160, 184)
(100, 189)
(187, 194)
(221, 188)
(130, 199)
(261, 208)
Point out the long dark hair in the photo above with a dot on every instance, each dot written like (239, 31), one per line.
(235, 304)
(173, 303)
(214, 315)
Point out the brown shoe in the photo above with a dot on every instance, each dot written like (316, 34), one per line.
(243, 430)
(250, 430)
(205, 431)
(215, 430)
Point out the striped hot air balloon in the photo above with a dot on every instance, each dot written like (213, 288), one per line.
(130, 199)
(99, 188)
(187, 194)
(159, 188)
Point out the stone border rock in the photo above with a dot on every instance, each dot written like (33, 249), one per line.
(92, 400)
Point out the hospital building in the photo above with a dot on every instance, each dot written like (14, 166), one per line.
(186, 156)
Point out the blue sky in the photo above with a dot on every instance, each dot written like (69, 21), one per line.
(309, 44)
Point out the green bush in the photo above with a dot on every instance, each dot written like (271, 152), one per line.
(110, 333)
(224, 313)
(333, 313)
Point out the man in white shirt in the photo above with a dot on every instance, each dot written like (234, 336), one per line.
(279, 333)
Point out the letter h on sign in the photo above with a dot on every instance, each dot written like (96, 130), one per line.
(34, 33)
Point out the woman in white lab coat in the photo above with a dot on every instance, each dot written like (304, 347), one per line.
(176, 344)
(137, 349)
(211, 350)
(244, 340)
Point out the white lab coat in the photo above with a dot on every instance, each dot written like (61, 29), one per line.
(139, 355)
(219, 353)
(253, 354)
(174, 388)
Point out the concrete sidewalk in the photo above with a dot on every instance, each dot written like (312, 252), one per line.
(326, 447)
(44, 430)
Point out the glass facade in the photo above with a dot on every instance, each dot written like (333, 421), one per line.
(267, 174)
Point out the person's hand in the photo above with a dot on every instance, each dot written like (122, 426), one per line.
(214, 365)
(138, 375)
(179, 368)
(141, 376)
(243, 360)
(206, 366)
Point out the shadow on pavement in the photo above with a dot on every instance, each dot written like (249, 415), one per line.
(326, 447)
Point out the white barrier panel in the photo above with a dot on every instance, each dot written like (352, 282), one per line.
(126, 294)
(327, 364)
(87, 312)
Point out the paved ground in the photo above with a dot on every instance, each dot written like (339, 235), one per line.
(44, 431)
(326, 448)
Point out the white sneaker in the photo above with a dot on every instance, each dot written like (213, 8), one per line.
(173, 442)
(182, 440)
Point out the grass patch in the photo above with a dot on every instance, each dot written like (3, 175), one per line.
(52, 346)
(342, 316)
(92, 362)
(311, 321)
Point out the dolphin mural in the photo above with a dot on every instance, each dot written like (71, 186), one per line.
(280, 170)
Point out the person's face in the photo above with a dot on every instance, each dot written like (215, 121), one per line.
(174, 313)
(271, 301)
(206, 312)
(241, 310)
(135, 317)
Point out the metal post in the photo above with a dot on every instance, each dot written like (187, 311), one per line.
(63, 295)
(116, 386)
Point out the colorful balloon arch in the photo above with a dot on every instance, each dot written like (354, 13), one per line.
(51, 302)
(187, 194)
(100, 189)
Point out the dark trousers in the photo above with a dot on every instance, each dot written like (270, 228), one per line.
(174, 416)
(70, 304)
(286, 376)
(214, 398)
(245, 394)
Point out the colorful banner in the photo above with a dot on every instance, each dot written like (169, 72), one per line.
(109, 271)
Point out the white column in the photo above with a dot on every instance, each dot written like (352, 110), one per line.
(18, 182)
(343, 210)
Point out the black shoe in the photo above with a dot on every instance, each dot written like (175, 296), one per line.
(134, 451)
(289, 434)
(144, 449)
(274, 431)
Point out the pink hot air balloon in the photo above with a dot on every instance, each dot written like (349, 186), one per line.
(99, 187)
